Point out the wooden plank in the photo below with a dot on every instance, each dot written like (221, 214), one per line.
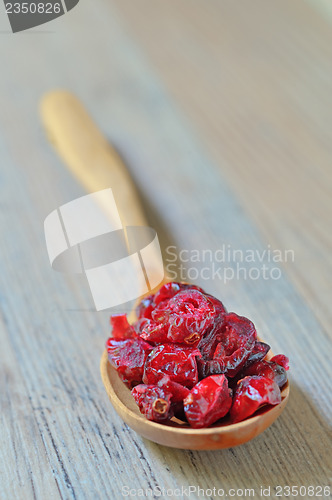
(256, 85)
(60, 437)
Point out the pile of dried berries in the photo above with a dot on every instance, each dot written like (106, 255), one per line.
(186, 356)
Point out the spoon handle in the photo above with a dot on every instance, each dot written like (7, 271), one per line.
(88, 154)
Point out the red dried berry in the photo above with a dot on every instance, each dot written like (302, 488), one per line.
(176, 361)
(187, 316)
(207, 367)
(258, 353)
(230, 342)
(178, 391)
(153, 402)
(251, 393)
(218, 305)
(208, 401)
(154, 332)
(268, 369)
(211, 339)
(281, 360)
(168, 291)
(128, 357)
(239, 335)
(121, 329)
(139, 325)
(145, 307)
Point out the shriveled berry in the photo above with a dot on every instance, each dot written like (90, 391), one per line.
(153, 401)
(208, 401)
(187, 315)
(176, 361)
(145, 307)
(281, 360)
(251, 393)
(178, 391)
(168, 291)
(268, 369)
(259, 352)
(227, 346)
(218, 305)
(151, 331)
(239, 336)
(128, 357)
(121, 329)
(212, 337)
(139, 325)
(207, 367)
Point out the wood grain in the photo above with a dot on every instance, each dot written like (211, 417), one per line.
(224, 121)
(261, 107)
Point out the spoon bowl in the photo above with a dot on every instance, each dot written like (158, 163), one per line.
(178, 434)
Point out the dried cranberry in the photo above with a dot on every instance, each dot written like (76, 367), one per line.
(176, 361)
(208, 401)
(251, 393)
(268, 369)
(168, 291)
(121, 329)
(207, 367)
(230, 342)
(154, 332)
(259, 352)
(211, 339)
(145, 307)
(281, 360)
(239, 335)
(128, 357)
(153, 402)
(139, 325)
(187, 316)
(176, 316)
(178, 391)
(218, 305)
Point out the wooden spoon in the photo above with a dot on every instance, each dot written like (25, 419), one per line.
(98, 166)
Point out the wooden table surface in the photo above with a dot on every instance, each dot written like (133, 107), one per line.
(223, 112)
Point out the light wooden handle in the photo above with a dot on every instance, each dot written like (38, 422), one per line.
(87, 153)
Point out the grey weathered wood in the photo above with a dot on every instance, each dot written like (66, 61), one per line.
(60, 437)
